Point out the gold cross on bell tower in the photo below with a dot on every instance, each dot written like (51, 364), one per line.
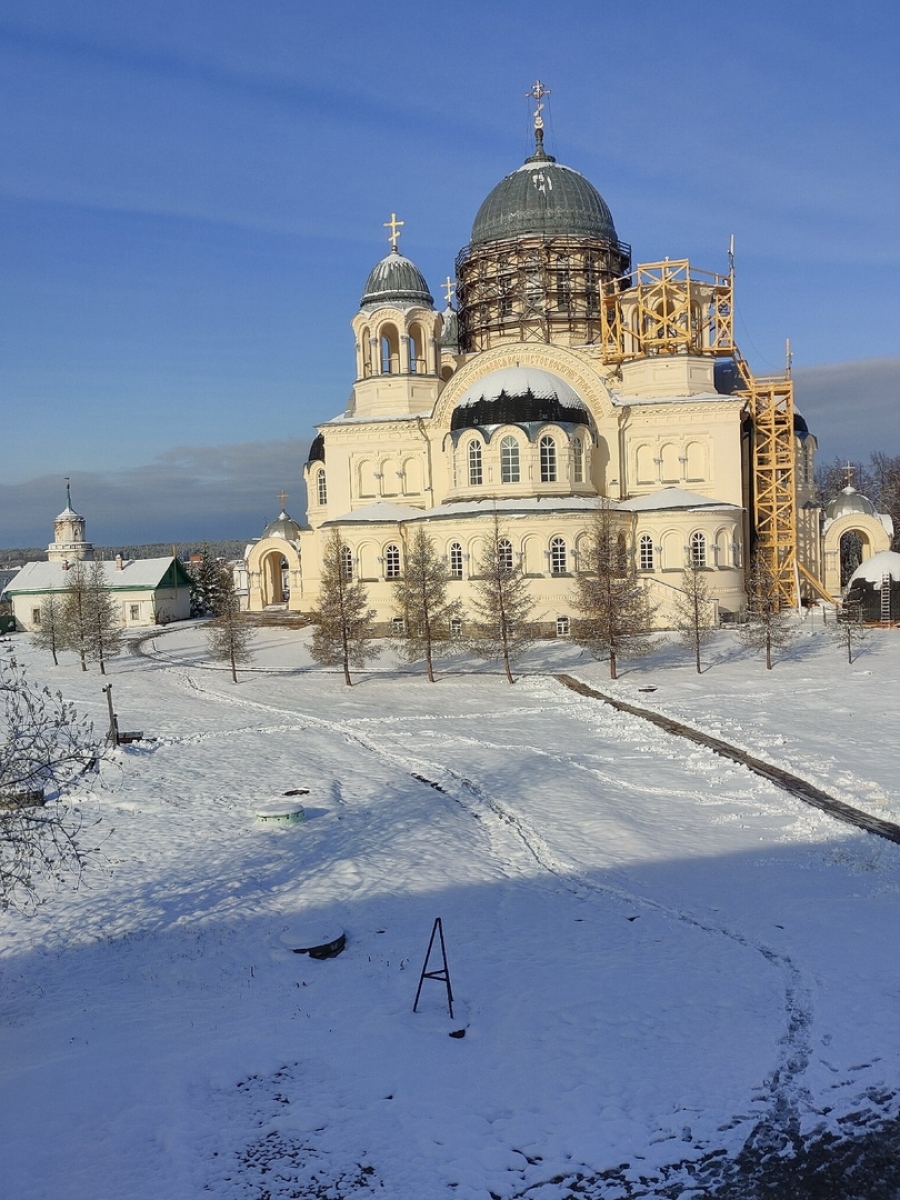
(394, 226)
(282, 496)
(449, 287)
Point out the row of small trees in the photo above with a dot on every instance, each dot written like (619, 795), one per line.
(614, 613)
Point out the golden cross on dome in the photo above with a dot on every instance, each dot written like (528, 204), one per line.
(394, 226)
(282, 496)
(538, 92)
(449, 287)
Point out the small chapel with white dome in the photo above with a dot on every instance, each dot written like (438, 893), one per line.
(564, 378)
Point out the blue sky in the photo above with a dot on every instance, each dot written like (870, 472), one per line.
(192, 194)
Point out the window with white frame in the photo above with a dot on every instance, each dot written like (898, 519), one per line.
(347, 562)
(504, 555)
(321, 488)
(455, 626)
(509, 460)
(456, 561)
(563, 626)
(134, 612)
(697, 556)
(475, 472)
(398, 626)
(557, 556)
(392, 562)
(645, 552)
(548, 460)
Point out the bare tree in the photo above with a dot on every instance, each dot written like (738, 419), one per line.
(695, 612)
(45, 751)
(609, 594)
(768, 626)
(502, 602)
(77, 624)
(421, 598)
(50, 633)
(106, 633)
(848, 630)
(229, 634)
(342, 632)
(885, 474)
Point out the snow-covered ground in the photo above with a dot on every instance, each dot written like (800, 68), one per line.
(653, 952)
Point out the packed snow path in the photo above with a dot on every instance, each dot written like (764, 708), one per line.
(655, 955)
(792, 783)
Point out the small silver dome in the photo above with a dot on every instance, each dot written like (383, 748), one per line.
(396, 280)
(283, 527)
(849, 502)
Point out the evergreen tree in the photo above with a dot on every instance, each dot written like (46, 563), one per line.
(502, 602)
(695, 612)
(229, 635)
(610, 596)
(342, 632)
(50, 634)
(210, 584)
(106, 633)
(421, 598)
(768, 626)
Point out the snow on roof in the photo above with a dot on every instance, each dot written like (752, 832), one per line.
(699, 398)
(673, 497)
(345, 418)
(380, 510)
(513, 507)
(874, 569)
(517, 381)
(50, 576)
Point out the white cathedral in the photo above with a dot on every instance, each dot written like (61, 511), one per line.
(565, 377)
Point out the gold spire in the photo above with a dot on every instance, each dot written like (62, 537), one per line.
(394, 226)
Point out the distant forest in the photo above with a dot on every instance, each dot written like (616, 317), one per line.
(227, 549)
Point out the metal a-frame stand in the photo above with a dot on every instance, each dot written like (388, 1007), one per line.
(442, 974)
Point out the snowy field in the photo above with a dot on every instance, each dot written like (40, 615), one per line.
(654, 953)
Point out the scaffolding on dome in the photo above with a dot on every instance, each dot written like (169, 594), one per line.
(535, 289)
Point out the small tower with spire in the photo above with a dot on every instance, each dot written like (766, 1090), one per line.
(69, 541)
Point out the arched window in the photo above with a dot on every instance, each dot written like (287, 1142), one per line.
(557, 556)
(509, 460)
(347, 562)
(475, 475)
(416, 362)
(392, 562)
(698, 550)
(390, 350)
(645, 551)
(456, 561)
(548, 460)
(321, 488)
(577, 461)
(504, 555)
(365, 347)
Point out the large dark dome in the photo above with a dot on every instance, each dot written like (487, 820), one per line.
(543, 198)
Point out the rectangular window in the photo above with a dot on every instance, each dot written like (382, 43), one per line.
(398, 627)
(562, 626)
(135, 612)
(35, 616)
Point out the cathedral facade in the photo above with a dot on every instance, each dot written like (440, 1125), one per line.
(564, 379)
